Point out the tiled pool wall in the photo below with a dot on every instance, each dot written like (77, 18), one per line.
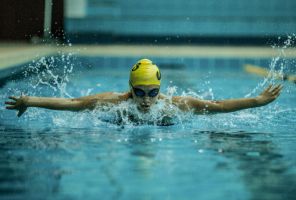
(177, 18)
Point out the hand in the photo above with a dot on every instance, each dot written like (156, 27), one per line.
(269, 94)
(18, 103)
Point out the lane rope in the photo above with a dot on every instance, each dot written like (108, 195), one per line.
(261, 71)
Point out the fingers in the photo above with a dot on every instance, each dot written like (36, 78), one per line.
(9, 102)
(277, 86)
(13, 98)
(267, 90)
(269, 87)
(21, 111)
(10, 107)
(276, 96)
(277, 89)
(272, 91)
(16, 104)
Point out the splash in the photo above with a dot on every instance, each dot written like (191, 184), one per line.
(279, 65)
(127, 114)
(50, 73)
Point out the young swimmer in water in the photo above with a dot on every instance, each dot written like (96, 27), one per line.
(145, 79)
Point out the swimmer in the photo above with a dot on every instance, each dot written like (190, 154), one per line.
(144, 83)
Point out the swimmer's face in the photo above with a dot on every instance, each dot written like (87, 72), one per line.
(145, 96)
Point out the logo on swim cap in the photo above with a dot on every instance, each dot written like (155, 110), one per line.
(145, 73)
(136, 67)
(158, 75)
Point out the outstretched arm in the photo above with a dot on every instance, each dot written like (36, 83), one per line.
(72, 104)
(230, 105)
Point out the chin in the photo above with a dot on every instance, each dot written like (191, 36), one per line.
(144, 110)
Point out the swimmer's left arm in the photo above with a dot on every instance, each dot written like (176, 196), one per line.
(230, 105)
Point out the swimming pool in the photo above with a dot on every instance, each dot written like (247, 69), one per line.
(248, 154)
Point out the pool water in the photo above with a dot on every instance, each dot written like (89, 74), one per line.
(249, 154)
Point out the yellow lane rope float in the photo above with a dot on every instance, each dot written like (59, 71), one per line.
(260, 71)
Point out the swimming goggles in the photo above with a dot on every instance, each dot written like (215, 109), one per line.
(141, 93)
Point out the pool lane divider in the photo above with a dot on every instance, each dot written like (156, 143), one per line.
(261, 71)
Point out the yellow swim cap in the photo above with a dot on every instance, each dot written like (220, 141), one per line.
(144, 72)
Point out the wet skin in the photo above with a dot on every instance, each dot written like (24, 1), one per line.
(144, 102)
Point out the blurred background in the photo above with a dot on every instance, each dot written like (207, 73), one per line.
(214, 22)
(210, 49)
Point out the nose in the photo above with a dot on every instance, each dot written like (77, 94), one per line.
(146, 99)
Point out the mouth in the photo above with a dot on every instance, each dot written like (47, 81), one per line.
(145, 107)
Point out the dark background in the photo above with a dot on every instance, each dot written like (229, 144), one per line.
(22, 20)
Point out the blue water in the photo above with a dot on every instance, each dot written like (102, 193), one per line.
(249, 154)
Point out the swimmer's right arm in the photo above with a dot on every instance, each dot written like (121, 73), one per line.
(71, 104)
(23, 102)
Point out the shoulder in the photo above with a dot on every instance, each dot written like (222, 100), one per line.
(187, 103)
(186, 100)
(180, 99)
(122, 96)
(114, 96)
(107, 97)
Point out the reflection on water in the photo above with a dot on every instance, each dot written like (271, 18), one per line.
(27, 168)
(154, 162)
(264, 172)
